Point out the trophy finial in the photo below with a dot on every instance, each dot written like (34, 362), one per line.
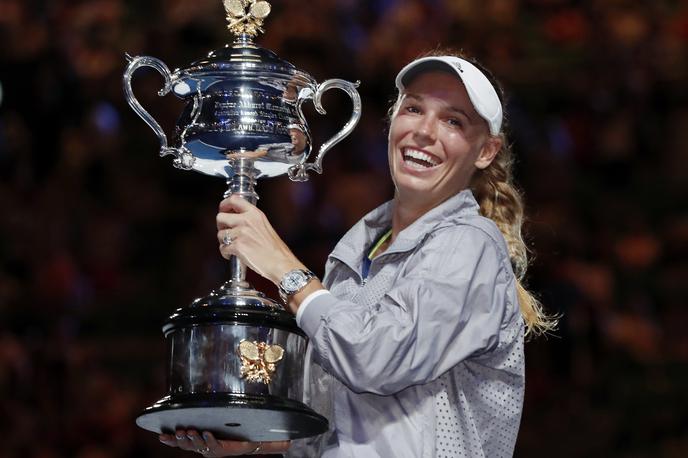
(245, 17)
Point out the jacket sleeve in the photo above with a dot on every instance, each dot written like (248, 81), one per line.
(448, 304)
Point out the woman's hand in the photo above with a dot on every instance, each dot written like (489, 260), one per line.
(253, 240)
(208, 446)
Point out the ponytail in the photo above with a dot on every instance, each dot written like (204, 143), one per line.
(500, 201)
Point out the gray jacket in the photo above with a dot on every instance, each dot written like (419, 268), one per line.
(424, 358)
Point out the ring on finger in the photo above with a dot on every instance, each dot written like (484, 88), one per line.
(257, 449)
(226, 238)
(203, 450)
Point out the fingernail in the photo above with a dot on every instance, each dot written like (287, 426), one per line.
(180, 436)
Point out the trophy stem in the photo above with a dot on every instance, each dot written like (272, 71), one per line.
(241, 183)
(237, 274)
(243, 180)
(243, 40)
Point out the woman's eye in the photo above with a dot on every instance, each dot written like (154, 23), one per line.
(412, 109)
(454, 122)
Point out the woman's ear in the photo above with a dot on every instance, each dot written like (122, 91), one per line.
(488, 152)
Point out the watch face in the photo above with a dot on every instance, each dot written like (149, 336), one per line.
(294, 281)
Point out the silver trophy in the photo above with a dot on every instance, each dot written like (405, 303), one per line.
(236, 357)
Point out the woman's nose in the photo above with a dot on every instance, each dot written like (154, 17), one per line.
(427, 128)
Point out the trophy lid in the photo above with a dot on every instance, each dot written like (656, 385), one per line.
(243, 54)
(243, 58)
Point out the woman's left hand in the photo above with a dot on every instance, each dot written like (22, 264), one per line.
(253, 240)
(207, 445)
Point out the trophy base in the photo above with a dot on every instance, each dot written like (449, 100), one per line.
(234, 416)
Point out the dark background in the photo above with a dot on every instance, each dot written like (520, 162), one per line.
(100, 239)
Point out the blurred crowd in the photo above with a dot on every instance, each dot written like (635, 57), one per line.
(100, 239)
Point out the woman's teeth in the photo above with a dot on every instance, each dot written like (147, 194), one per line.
(418, 159)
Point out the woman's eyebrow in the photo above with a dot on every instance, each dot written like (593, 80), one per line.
(412, 96)
(460, 112)
(454, 110)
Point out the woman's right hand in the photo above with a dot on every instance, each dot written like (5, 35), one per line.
(207, 445)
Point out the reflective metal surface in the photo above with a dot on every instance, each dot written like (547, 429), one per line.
(242, 99)
(205, 359)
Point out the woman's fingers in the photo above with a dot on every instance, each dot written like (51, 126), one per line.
(208, 445)
(245, 232)
(235, 204)
(183, 440)
(225, 220)
(210, 440)
(225, 237)
(168, 439)
(197, 441)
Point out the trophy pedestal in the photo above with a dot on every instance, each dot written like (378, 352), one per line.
(236, 366)
(234, 416)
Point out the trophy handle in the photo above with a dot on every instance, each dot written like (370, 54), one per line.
(300, 172)
(183, 158)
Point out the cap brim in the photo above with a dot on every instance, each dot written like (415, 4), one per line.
(480, 90)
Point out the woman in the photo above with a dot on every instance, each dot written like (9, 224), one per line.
(416, 332)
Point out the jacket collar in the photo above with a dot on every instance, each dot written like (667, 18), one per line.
(353, 246)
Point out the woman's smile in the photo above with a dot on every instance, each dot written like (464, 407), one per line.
(417, 159)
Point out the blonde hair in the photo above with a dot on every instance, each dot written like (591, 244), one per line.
(501, 201)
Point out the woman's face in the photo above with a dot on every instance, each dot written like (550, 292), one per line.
(436, 140)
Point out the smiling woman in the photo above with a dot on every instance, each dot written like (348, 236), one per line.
(476, 104)
(417, 329)
(436, 141)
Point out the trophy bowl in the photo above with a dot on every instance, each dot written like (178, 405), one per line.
(242, 99)
(236, 357)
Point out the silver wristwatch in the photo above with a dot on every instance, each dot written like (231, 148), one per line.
(294, 281)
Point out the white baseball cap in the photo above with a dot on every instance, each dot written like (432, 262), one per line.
(481, 92)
